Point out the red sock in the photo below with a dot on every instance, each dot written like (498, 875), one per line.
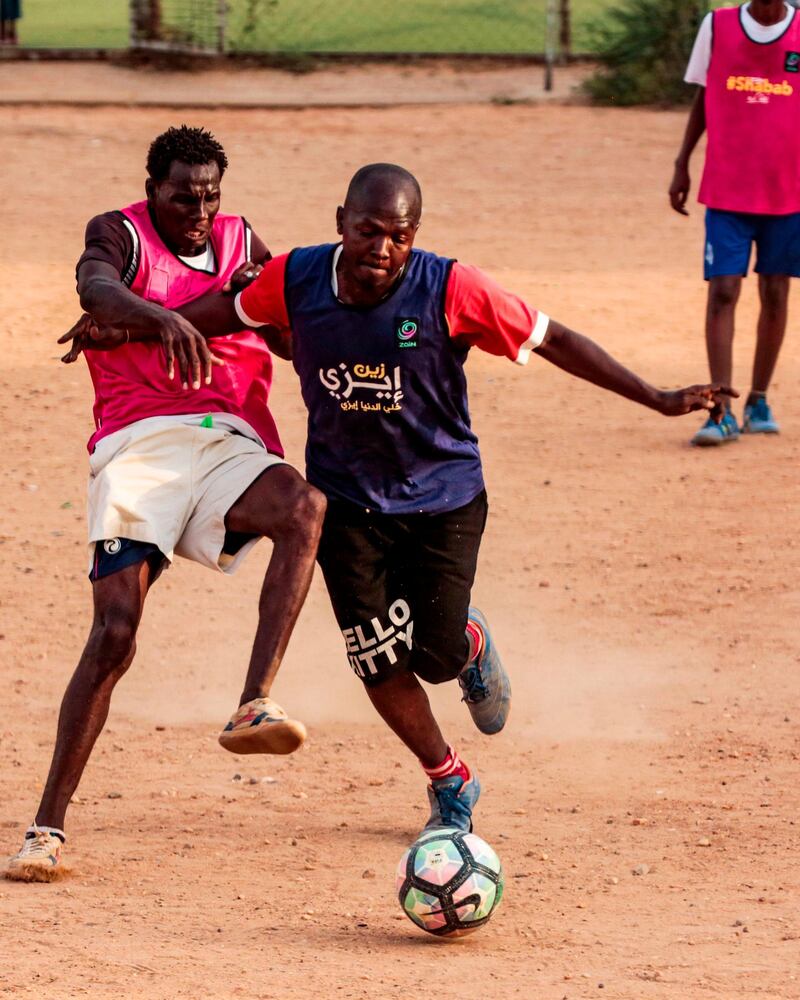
(451, 765)
(475, 636)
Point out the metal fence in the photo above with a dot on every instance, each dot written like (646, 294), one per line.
(508, 27)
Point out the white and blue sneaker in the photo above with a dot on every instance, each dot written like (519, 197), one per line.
(758, 418)
(711, 433)
(484, 684)
(452, 801)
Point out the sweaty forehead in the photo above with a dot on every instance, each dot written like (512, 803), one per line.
(187, 176)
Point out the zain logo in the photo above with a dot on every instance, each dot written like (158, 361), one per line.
(792, 63)
(407, 331)
(112, 546)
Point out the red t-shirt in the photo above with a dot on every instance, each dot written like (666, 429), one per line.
(478, 311)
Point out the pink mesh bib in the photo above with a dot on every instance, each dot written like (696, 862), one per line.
(753, 120)
(131, 383)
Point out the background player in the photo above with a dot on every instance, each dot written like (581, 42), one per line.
(195, 471)
(745, 61)
(379, 333)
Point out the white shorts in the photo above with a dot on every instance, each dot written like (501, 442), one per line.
(171, 484)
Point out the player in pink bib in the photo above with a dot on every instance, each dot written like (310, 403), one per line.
(746, 63)
(190, 465)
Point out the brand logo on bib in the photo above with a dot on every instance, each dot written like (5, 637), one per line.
(112, 546)
(759, 89)
(407, 331)
(792, 62)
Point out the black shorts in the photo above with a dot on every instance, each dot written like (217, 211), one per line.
(400, 586)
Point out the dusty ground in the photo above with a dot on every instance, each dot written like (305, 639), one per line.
(644, 596)
(418, 81)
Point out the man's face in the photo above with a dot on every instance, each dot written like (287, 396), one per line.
(184, 205)
(377, 238)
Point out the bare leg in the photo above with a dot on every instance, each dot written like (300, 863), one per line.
(773, 290)
(282, 506)
(723, 294)
(118, 603)
(403, 705)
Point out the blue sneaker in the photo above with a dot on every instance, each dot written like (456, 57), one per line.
(452, 801)
(758, 418)
(712, 434)
(484, 683)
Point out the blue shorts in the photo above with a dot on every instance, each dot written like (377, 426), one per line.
(114, 554)
(730, 235)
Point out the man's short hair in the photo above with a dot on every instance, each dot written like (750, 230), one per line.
(380, 176)
(187, 145)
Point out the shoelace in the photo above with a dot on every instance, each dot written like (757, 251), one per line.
(472, 684)
(450, 804)
(39, 844)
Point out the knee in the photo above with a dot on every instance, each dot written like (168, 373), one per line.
(305, 512)
(114, 641)
(723, 293)
(774, 293)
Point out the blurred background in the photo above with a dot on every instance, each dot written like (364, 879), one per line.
(312, 26)
(638, 47)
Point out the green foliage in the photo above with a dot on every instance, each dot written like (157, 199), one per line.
(643, 47)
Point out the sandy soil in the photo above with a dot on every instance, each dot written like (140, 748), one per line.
(643, 593)
(418, 81)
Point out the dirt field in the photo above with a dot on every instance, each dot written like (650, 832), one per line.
(644, 596)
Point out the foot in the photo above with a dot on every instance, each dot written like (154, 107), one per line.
(39, 858)
(758, 418)
(262, 726)
(452, 801)
(713, 434)
(484, 683)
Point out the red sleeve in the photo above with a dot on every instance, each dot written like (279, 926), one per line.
(485, 315)
(263, 303)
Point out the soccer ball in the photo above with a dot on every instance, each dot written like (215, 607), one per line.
(449, 882)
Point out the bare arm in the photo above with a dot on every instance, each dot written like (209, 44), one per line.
(111, 303)
(204, 318)
(581, 356)
(695, 126)
(213, 314)
(115, 316)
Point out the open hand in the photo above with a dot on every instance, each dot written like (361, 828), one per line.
(185, 345)
(677, 402)
(85, 335)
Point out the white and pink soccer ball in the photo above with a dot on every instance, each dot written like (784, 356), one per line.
(449, 882)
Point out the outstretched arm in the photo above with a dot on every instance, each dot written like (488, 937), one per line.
(695, 126)
(582, 357)
(213, 314)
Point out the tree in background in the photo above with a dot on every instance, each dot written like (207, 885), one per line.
(146, 16)
(643, 47)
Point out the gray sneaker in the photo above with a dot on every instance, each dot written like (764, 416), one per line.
(484, 683)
